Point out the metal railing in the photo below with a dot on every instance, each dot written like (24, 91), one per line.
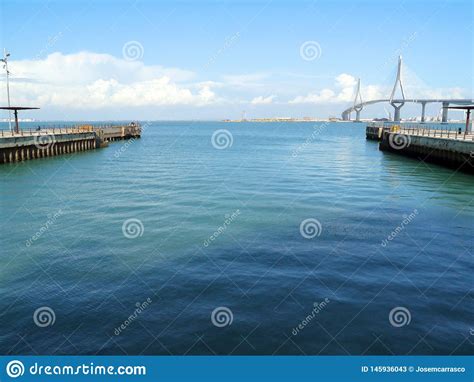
(64, 129)
(43, 131)
(420, 129)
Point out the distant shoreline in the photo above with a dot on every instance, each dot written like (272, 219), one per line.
(261, 120)
(283, 120)
(267, 120)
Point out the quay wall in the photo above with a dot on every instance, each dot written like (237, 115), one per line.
(38, 139)
(20, 148)
(50, 142)
(457, 154)
(114, 133)
(373, 133)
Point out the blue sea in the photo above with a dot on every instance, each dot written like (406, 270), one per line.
(236, 238)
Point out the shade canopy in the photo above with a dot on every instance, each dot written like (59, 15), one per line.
(466, 107)
(17, 108)
(15, 111)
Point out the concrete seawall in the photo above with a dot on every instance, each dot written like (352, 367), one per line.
(19, 148)
(26, 145)
(373, 133)
(457, 154)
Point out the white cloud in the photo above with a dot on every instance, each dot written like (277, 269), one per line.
(84, 81)
(345, 84)
(261, 100)
(345, 80)
(85, 67)
(91, 80)
(345, 92)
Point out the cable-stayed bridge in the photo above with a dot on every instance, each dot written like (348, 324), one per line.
(397, 103)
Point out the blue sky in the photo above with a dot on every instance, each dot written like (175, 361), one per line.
(214, 59)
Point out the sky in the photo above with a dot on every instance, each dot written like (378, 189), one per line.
(185, 60)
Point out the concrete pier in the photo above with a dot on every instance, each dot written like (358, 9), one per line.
(374, 131)
(27, 145)
(450, 148)
(109, 133)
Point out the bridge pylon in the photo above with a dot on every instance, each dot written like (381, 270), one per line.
(358, 101)
(398, 103)
(423, 111)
